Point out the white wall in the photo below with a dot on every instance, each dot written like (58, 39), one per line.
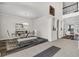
(12, 13)
(43, 26)
(0, 28)
(8, 22)
(58, 16)
(43, 9)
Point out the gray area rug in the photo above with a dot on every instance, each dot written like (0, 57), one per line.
(48, 52)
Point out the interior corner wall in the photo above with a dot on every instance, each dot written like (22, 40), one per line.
(58, 16)
(42, 22)
(7, 22)
(43, 26)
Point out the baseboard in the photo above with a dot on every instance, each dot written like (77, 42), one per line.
(42, 38)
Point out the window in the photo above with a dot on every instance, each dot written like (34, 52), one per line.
(70, 7)
(51, 10)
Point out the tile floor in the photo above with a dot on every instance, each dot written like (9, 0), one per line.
(69, 48)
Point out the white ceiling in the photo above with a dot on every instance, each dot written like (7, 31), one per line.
(28, 10)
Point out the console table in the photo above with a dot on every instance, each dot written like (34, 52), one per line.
(6, 45)
(3, 48)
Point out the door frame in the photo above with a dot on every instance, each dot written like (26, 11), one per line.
(57, 29)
